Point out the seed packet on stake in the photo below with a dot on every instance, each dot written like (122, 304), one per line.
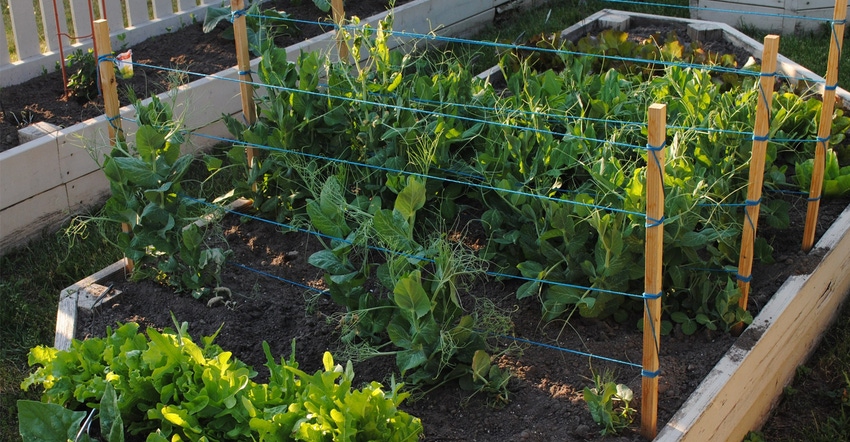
(124, 64)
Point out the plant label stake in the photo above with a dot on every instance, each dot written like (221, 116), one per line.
(106, 69)
(825, 124)
(654, 247)
(761, 132)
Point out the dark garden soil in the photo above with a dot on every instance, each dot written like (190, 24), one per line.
(189, 49)
(545, 392)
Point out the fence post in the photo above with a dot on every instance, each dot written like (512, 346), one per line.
(243, 62)
(761, 132)
(825, 124)
(654, 248)
(339, 19)
(109, 88)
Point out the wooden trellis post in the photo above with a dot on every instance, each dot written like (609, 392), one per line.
(825, 124)
(339, 20)
(243, 63)
(761, 131)
(109, 88)
(652, 282)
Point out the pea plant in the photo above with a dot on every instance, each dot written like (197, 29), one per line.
(417, 311)
(164, 238)
(556, 161)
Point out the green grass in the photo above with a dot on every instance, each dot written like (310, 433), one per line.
(32, 277)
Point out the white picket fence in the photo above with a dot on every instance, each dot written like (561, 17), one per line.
(37, 42)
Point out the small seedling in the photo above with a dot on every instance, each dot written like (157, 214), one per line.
(609, 402)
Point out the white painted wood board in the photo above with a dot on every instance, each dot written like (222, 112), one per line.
(21, 222)
(24, 28)
(137, 13)
(162, 9)
(114, 15)
(48, 21)
(28, 170)
(87, 192)
(66, 316)
(80, 18)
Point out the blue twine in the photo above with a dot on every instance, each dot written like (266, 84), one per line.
(761, 138)
(831, 88)
(406, 255)
(811, 200)
(650, 374)
(248, 72)
(421, 175)
(269, 275)
(404, 108)
(744, 279)
(824, 139)
(652, 222)
(239, 13)
(651, 296)
(567, 350)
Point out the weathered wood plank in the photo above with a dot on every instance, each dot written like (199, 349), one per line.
(739, 392)
(114, 16)
(29, 170)
(87, 192)
(21, 222)
(48, 20)
(24, 28)
(137, 13)
(66, 320)
(80, 18)
(162, 9)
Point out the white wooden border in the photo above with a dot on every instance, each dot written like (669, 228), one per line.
(781, 15)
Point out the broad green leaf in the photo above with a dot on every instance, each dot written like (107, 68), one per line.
(111, 424)
(393, 230)
(411, 198)
(405, 360)
(148, 142)
(43, 422)
(410, 295)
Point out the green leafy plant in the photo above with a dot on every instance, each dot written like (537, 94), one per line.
(164, 239)
(169, 388)
(263, 25)
(82, 82)
(609, 402)
(836, 179)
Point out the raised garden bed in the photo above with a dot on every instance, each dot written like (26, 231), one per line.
(47, 179)
(737, 379)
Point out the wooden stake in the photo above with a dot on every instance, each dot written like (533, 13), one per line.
(109, 88)
(825, 125)
(339, 18)
(756, 180)
(108, 83)
(652, 282)
(243, 63)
